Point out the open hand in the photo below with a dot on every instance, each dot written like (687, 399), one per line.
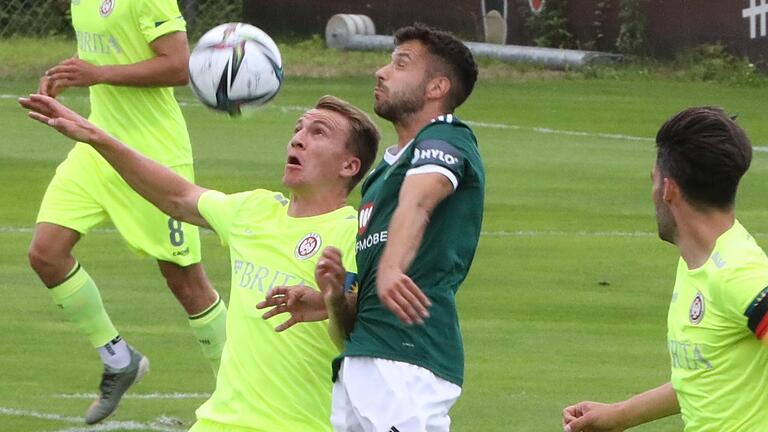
(303, 303)
(402, 296)
(48, 110)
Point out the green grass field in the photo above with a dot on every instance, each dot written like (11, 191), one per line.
(566, 299)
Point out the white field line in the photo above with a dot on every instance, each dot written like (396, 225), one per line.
(161, 424)
(137, 396)
(521, 233)
(540, 129)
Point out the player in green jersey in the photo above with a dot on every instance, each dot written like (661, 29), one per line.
(267, 382)
(718, 315)
(130, 53)
(419, 224)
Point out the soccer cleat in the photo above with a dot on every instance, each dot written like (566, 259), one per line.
(114, 383)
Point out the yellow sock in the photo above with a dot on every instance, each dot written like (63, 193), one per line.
(78, 297)
(210, 328)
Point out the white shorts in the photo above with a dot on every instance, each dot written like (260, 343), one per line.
(378, 395)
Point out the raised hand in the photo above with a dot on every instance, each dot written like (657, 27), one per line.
(330, 274)
(48, 110)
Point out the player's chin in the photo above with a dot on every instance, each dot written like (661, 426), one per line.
(292, 177)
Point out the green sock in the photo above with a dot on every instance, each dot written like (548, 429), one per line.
(210, 328)
(79, 299)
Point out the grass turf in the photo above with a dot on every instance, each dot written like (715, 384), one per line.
(566, 300)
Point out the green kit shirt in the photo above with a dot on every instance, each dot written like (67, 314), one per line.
(445, 146)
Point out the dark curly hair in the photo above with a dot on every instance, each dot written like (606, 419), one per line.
(457, 60)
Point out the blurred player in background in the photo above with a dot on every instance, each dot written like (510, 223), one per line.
(129, 54)
(718, 316)
(267, 382)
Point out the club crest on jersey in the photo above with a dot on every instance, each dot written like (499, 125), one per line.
(363, 217)
(106, 7)
(697, 308)
(308, 246)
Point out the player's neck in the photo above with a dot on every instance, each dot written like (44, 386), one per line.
(408, 127)
(698, 233)
(313, 204)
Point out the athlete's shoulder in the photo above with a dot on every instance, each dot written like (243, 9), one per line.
(263, 197)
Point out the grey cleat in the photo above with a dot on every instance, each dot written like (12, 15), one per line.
(114, 383)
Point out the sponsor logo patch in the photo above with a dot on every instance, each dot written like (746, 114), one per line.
(697, 309)
(308, 246)
(363, 217)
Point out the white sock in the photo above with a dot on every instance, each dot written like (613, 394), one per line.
(115, 353)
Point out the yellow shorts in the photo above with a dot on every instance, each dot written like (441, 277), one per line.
(86, 191)
(203, 425)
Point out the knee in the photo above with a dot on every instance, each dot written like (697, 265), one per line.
(41, 259)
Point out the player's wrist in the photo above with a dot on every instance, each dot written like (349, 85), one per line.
(100, 74)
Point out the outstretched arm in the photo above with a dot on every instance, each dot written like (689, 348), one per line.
(419, 196)
(643, 408)
(167, 68)
(168, 191)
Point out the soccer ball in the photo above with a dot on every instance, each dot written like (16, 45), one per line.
(234, 65)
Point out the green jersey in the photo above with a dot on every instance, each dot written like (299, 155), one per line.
(269, 381)
(446, 146)
(118, 32)
(719, 367)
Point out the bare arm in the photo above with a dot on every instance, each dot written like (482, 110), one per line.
(419, 196)
(168, 191)
(643, 408)
(167, 68)
(341, 306)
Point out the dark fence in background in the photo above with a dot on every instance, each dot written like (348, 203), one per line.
(671, 25)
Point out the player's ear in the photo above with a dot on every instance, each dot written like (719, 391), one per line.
(350, 167)
(671, 190)
(438, 87)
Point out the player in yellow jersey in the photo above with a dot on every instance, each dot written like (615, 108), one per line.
(718, 314)
(267, 381)
(130, 53)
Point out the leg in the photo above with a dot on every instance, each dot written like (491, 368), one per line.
(207, 313)
(50, 254)
(71, 206)
(189, 285)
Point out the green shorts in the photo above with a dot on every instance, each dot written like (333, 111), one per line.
(86, 191)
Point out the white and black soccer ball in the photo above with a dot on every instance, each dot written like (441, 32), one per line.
(234, 65)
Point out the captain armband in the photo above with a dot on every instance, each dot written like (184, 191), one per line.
(757, 314)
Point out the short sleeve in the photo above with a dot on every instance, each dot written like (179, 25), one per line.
(219, 210)
(438, 156)
(745, 295)
(158, 18)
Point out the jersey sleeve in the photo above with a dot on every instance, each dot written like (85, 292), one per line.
(745, 294)
(158, 18)
(438, 156)
(757, 314)
(219, 210)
